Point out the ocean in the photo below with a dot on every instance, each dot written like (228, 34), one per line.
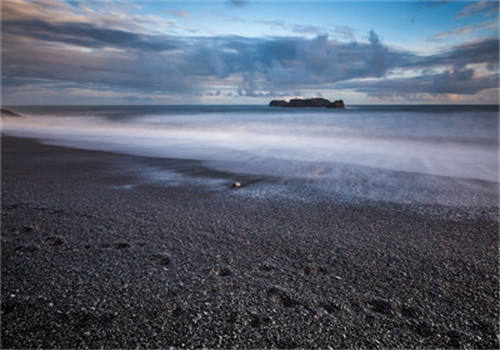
(445, 155)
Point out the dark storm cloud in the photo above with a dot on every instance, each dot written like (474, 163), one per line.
(456, 81)
(40, 63)
(252, 66)
(87, 35)
(281, 63)
(287, 61)
(484, 51)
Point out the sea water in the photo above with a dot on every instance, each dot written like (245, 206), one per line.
(411, 154)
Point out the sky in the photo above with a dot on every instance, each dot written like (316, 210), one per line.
(248, 51)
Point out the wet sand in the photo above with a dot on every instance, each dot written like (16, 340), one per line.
(90, 261)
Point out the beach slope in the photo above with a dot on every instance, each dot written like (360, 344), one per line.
(90, 261)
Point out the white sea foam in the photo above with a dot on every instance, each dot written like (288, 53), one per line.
(305, 145)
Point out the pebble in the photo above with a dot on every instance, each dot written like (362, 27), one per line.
(54, 241)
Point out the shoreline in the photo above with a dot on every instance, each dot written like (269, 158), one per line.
(170, 171)
(86, 262)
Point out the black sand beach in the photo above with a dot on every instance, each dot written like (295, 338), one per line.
(89, 262)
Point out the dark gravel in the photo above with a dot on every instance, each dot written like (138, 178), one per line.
(89, 264)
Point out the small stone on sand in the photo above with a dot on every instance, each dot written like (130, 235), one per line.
(54, 241)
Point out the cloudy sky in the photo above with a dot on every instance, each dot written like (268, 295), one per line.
(248, 51)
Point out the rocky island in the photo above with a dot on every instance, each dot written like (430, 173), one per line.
(308, 102)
